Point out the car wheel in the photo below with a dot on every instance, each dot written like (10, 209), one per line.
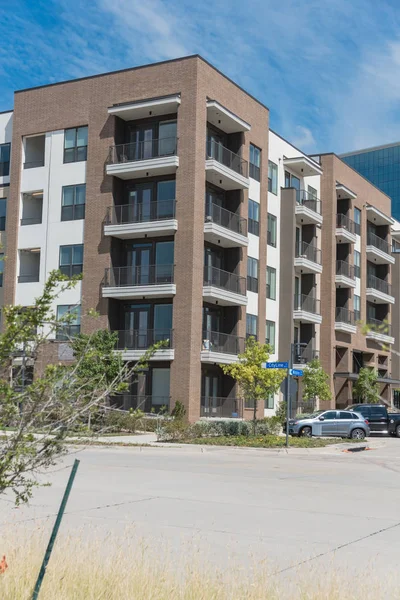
(306, 432)
(398, 431)
(358, 434)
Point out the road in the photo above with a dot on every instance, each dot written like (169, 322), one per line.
(234, 505)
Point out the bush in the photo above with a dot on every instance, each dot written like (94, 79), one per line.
(172, 431)
(179, 411)
(269, 426)
(176, 430)
(123, 421)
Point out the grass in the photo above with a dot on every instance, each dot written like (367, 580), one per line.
(266, 441)
(126, 569)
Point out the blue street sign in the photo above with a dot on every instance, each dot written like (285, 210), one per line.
(296, 372)
(276, 365)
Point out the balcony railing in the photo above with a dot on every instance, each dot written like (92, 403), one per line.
(218, 152)
(225, 218)
(344, 268)
(140, 213)
(141, 339)
(144, 150)
(147, 403)
(308, 251)
(224, 279)
(32, 278)
(307, 304)
(221, 407)
(308, 200)
(31, 221)
(304, 354)
(137, 276)
(343, 222)
(379, 284)
(33, 164)
(381, 327)
(343, 315)
(377, 242)
(214, 341)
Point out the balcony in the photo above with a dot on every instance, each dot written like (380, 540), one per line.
(131, 221)
(146, 403)
(379, 291)
(143, 159)
(308, 258)
(303, 355)
(143, 109)
(133, 343)
(380, 331)
(302, 166)
(222, 348)
(345, 320)
(307, 309)
(224, 288)
(34, 148)
(378, 250)
(224, 228)
(146, 281)
(345, 230)
(221, 408)
(345, 275)
(29, 265)
(224, 168)
(377, 217)
(308, 208)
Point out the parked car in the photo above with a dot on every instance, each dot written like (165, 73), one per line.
(337, 423)
(380, 420)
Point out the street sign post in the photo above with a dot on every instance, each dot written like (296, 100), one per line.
(297, 372)
(276, 365)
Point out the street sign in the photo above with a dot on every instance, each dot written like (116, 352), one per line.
(276, 365)
(296, 372)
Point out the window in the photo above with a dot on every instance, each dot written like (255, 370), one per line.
(71, 260)
(251, 325)
(287, 179)
(269, 402)
(270, 334)
(73, 202)
(5, 159)
(330, 415)
(271, 283)
(3, 211)
(254, 217)
(75, 144)
(271, 231)
(252, 274)
(70, 317)
(357, 307)
(272, 177)
(357, 221)
(255, 162)
(345, 415)
(357, 263)
(1, 269)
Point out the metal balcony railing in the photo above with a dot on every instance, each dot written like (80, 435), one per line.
(225, 218)
(214, 341)
(379, 284)
(378, 326)
(307, 304)
(377, 242)
(224, 279)
(308, 200)
(343, 222)
(304, 354)
(144, 150)
(33, 164)
(137, 276)
(31, 278)
(141, 339)
(140, 213)
(219, 407)
(343, 315)
(218, 152)
(145, 403)
(346, 269)
(31, 221)
(308, 251)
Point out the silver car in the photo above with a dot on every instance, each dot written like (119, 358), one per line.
(336, 423)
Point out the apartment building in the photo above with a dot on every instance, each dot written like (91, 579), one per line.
(5, 147)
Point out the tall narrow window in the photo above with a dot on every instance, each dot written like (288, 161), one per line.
(255, 162)
(3, 211)
(357, 263)
(357, 307)
(251, 325)
(254, 217)
(75, 144)
(272, 177)
(271, 283)
(357, 220)
(252, 274)
(70, 321)
(1, 269)
(5, 159)
(270, 334)
(73, 202)
(271, 231)
(71, 260)
(269, 402)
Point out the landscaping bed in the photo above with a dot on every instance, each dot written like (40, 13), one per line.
(267, 441)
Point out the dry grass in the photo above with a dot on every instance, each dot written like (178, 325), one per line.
(130, 571)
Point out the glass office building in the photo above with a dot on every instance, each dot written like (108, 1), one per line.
(381, 165)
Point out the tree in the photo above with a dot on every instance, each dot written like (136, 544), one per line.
(316, 382)
(56, 402)
(366, 388)
(255, 382)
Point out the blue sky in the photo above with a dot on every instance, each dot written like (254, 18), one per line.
(327, 69)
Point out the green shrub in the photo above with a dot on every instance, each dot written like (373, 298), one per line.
(122, 421)
(172, 431)
(269, 426)
(179, 411)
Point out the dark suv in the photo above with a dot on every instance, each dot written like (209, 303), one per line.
(380, 421)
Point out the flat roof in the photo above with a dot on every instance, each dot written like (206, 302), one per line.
(163, 62)
(371, 149)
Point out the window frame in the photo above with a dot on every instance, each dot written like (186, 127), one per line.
(268, 329)
(75, 148)
(5, 170)
(254, 168)
(270, 271)
(253, 225)
(252, 280)
(357, 223)
(272, 219)
(64, 332)
(68, 269)
(253, 319)
(74, 204)
(272, 170)
(357, 264)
